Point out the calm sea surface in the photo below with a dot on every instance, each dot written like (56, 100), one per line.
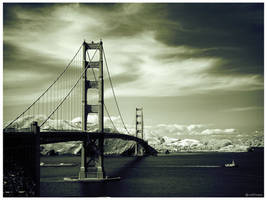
(179, 175)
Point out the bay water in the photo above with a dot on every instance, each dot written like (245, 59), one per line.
(171, 175)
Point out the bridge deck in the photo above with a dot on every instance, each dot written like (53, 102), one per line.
(65, 136)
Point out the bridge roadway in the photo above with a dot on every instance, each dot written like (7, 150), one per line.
(47, 137)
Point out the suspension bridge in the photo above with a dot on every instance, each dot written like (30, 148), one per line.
(60, 113)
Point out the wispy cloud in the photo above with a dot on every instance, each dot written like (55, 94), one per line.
(241, 109)
(175, 130)
(136, 57)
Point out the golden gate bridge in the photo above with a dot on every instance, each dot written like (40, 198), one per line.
(49, 119)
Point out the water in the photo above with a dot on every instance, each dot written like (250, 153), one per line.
(179, 175)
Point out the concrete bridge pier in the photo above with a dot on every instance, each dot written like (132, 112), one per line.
(92, 160)
(139, 150)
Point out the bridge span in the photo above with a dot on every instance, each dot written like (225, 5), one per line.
(48, 137)
(64, 136)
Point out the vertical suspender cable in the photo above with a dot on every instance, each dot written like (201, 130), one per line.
(63, 100)
(45, 90)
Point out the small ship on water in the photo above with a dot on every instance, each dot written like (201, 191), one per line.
(231, 165)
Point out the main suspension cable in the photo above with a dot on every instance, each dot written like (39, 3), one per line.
(46, 89)
(117, 105)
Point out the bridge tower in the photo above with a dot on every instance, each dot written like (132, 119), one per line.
(139, 127)
(92, 149)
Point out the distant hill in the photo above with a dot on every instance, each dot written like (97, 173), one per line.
(161, 142)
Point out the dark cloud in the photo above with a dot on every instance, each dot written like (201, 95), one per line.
(230, 31)
(30, 18)
(111, 7)
(16, 58)
(43, 69)
(233, 32)
(233, 60)
(124, 78)
(206, 25)
(11, 11)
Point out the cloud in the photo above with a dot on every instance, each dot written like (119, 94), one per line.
(193, 127)
(45, 33)
(187, 130)
(177, 77)
(218, 131)
(196, 25)
(241, 109)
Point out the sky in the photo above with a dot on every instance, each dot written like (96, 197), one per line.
(184, 63)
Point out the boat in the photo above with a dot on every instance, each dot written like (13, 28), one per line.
(231, 165)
